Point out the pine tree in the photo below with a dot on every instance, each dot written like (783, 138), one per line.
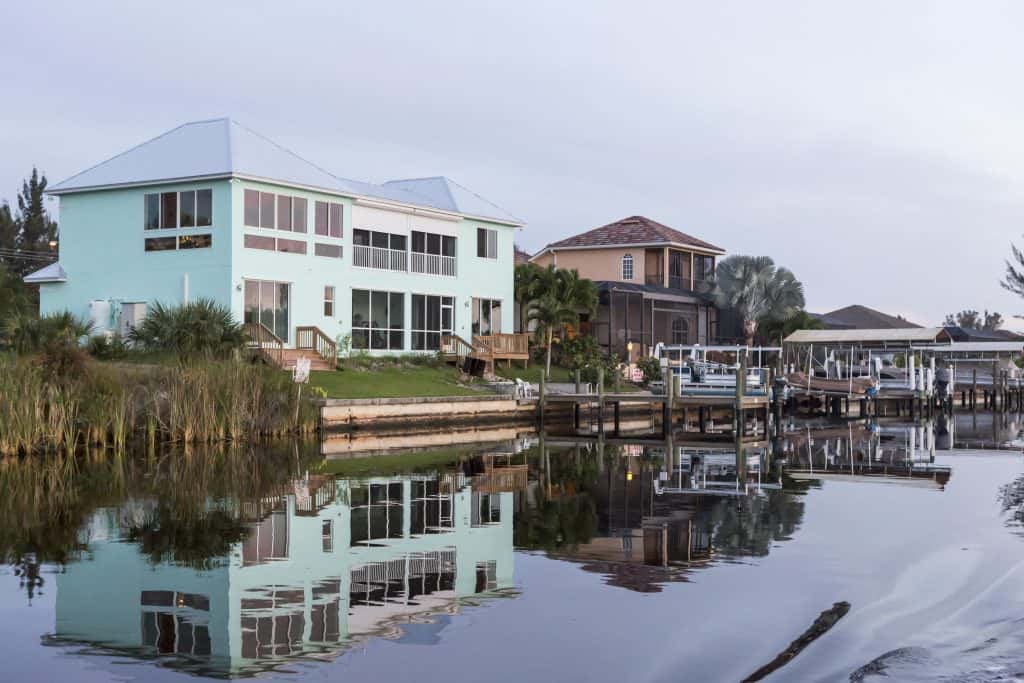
(37, 229)
(8, 230)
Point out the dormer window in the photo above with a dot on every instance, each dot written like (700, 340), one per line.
(627, 267)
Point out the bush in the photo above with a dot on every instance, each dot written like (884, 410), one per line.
(106, 348)
(651, 367)
(202, 328)
(26, 333)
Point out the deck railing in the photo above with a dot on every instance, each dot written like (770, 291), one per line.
(262, 339)
(432, 264)
(312, 338)
(454, 346)
(502, 346)
(378, 257)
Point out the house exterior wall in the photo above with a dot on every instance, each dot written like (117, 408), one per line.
(102, 251)
(598, 264)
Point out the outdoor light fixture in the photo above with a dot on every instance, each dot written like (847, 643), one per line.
(629, 475)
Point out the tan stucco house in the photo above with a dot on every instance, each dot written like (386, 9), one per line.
(654, 283)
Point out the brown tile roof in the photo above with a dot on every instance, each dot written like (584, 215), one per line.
(519, 256)
(632, 230)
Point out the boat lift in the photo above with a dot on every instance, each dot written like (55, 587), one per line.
(700, 373)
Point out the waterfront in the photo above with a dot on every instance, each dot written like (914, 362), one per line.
(530, 557)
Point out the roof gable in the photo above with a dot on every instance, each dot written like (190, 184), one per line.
(223, 147)
(633, 230)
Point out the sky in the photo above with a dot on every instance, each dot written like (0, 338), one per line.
(874, 148)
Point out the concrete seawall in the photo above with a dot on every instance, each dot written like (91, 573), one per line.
(387, 413)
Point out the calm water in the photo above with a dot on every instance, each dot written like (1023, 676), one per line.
(534, 558)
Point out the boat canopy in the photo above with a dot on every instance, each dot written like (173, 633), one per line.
(882, 337)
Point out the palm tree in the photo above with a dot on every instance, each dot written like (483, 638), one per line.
(527, 286)
(757, 290)
(560, 296)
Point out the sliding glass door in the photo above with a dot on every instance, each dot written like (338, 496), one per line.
(486, 316)
(268, 303)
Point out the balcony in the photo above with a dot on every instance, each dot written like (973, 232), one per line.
(432, 264)
(379, 257)
(674, 281)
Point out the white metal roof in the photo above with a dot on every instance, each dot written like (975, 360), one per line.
(224, 148)
(51, 273)
(976, 347)
(895, 335)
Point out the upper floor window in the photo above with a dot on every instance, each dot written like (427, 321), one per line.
(267, 210)
(186, 209)
(329, 219)
(432, 253)
(486, 243)
(373, 249)
(703, 267)
(627, 267)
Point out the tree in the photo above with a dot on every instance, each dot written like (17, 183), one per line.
(972, 320)
(29, 230)
(757, 290)
(559, 297)
(774, 331)
(528, 279)
(37, 229)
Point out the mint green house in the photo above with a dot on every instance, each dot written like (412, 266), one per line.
(212, 209)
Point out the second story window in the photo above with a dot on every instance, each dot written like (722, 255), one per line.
(433, 254)
(267, 210)
(627, 267)
(329, 217)
(703, 268)
(373, 249)
(486, 243)
(170, 210)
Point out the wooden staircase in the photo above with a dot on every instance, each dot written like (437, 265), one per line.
(488, 348)
(310, 343)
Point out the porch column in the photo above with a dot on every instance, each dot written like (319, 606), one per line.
(664, 274)
(691, 271)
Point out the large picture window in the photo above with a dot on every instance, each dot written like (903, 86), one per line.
(267, 210)
(378, 320)
(486, 316)
(432, 317)
(170, 210)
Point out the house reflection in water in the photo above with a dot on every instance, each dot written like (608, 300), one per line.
(324, 564)
(661, 510)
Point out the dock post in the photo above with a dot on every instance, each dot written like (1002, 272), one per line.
(543, 397)
(974, 388)
(600, 400)
(741, 379)
(576, 403)
(615, 411)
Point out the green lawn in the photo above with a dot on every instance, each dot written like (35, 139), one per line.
(392, 382)
(393, 463)
(533, 373)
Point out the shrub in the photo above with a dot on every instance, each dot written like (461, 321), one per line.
(202, 328)
(26, 333)
(651, 367)
(106, 348)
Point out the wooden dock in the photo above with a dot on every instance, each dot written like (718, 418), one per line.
(673, 404)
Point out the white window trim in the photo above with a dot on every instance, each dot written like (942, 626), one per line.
(627, 258)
